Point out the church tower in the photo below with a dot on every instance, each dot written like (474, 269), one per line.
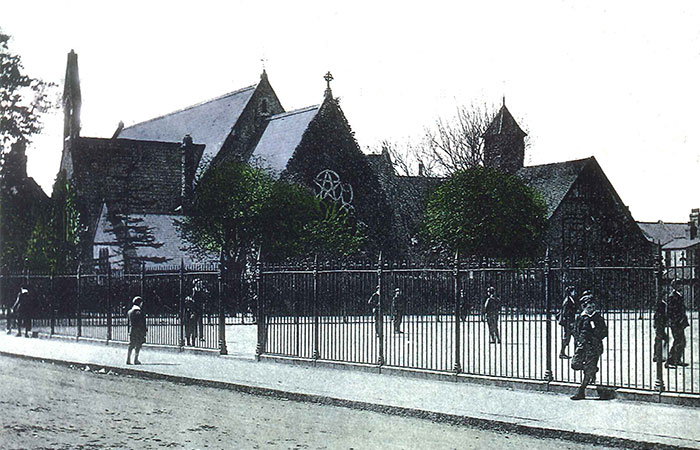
(71, 99)
(504, 143)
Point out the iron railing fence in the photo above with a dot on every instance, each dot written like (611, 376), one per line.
(95, 305)
(320, 311)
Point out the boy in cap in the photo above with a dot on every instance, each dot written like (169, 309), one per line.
(492, 308)
(137, 334)
(678, 322)
(567, 319)
(589, 330)
(397, 306)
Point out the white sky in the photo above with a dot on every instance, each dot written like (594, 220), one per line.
(616, 80)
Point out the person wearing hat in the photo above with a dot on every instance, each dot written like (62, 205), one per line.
(190, 320)
(678, 322)
(137, 333)
(492, 309)
(397, 308)
(22, 313)
(567, 319)
(589, 331)
(660, 333)
(199, 298)
(373, 302)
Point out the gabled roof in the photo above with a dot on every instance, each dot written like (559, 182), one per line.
(681, 243)
(280, 139)
(504, 123)
(208, 123)
(553, 181)
(662, 233)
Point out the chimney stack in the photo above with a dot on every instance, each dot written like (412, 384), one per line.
(694, 222)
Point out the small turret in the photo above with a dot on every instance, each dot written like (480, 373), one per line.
(504, 143)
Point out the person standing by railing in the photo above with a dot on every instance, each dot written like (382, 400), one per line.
(492, 309)
(398, 305)
(190, 320)
(373, 302)
(589, 331)
(137, 334)
(199, 297)
(567, 319)
(678, 322)
(22, 312)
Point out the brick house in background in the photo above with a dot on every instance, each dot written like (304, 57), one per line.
(679, 243)
(145, 174)
(585, 215)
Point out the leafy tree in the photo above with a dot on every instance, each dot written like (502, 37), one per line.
(22, 98)
(486, 212)
(53, 244)
(237, 208)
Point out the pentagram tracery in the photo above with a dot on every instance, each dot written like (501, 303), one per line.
(330, 186)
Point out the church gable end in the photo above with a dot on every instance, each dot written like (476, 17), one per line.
(329, 144)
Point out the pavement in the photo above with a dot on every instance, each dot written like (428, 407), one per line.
(615, 422)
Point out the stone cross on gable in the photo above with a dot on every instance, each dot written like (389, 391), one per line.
(328, 77)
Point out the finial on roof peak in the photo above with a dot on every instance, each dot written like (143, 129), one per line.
(328, 77)
(504, 100)
(263, 75)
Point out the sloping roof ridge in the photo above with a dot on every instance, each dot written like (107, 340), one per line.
(229, 94)
(293, 112)
(661, 222)
(582, 160)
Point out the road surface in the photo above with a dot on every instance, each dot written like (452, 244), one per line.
(45, 406)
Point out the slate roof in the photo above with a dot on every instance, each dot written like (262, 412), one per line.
(662, 232)
(504, 123)
(281, 138)
(681, 243)
(164, 231)
(208, 123)
(553, 181)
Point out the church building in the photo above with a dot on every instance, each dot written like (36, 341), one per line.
(143, 177)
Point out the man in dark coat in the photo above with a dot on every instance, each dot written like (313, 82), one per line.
(373, 302)
(22, 312)
(589, 331)
(190, 320)
(397, 308)
(492, 309)
(678, 322)
(137, 334)
(660, 324)
(199, 297)
(567, 319)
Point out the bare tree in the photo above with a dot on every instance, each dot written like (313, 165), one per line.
(410, 159)
(458, 143)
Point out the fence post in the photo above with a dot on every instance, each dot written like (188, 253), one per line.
(380, 314)
(109, 302)
(457, 368)
(143, 279)
(180, 304)
(52, 296)
(78, 306)
(260, 314)
(222, 314)
(548, 376)
(658, 276)
(316, 354)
